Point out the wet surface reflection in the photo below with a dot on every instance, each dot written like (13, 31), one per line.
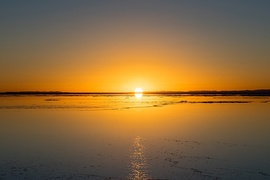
(190, 138)
(138, 95)
(138, 169)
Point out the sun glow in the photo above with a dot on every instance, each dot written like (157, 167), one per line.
(138, 92)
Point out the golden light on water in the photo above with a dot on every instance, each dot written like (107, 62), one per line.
(139, 169)
(138, 92)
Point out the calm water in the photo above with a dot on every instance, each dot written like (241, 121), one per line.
(124, 137)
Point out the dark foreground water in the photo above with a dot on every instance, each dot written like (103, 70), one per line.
(124, 137)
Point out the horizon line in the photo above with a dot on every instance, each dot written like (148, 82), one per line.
(248, 92)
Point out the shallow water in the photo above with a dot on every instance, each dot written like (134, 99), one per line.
(124, 137)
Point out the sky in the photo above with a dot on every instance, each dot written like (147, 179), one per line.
(158, 45)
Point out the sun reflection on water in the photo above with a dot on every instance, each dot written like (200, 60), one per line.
(138, 95)
(139, 170)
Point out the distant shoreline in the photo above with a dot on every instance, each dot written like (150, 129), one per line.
(258, 92)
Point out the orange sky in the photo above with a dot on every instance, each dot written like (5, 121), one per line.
(90, 46)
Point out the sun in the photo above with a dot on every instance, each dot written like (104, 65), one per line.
(138, 90)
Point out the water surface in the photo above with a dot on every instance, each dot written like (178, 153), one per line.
(124, 137)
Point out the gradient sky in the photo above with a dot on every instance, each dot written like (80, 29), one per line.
(114, 45)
